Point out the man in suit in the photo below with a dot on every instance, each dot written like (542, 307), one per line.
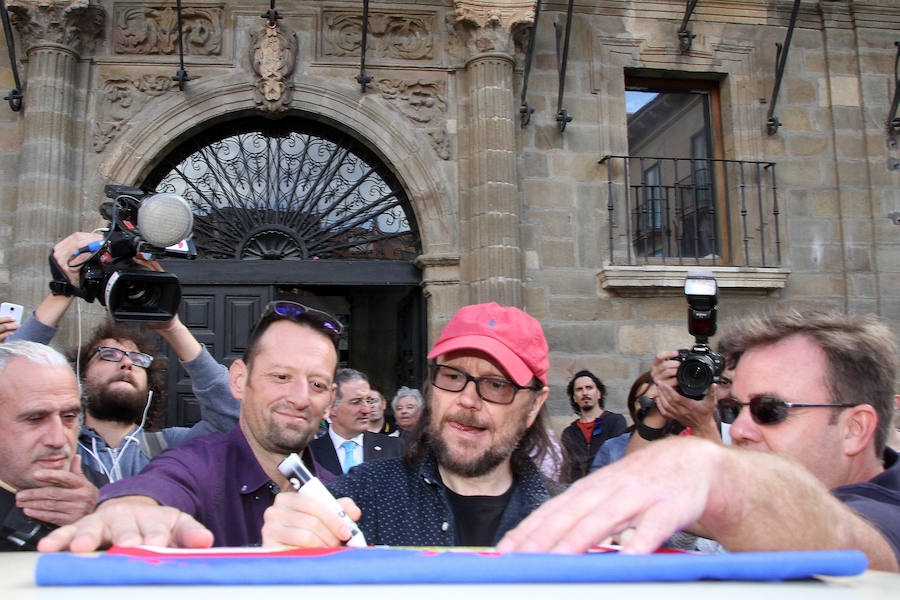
(348, 441)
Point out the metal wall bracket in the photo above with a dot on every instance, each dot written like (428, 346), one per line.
(363, 79)
(781, 56)
(271, 15)
(685, 35)
(181, 76)
(15, 96)
(525, 109)
(893, 120)
(562, 116)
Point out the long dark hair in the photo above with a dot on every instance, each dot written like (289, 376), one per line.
(570, 390)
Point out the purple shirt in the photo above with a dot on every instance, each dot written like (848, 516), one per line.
(214, 478)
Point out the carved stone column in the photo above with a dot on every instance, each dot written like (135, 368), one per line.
(490, 217)
(440, 286)
(54, 34)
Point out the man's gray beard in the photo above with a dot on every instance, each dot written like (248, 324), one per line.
(489, 460)
(117, 406)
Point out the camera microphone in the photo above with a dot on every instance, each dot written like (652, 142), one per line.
(164, 219)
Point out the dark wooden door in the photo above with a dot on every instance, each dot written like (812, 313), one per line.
(219, 317)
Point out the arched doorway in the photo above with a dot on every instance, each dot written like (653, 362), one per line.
(295, 209)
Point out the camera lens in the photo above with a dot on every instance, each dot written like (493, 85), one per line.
(695, 375)
(141, 294)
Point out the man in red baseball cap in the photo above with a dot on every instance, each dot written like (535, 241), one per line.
(467, 477)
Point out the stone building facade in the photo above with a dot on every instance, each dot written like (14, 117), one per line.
(511, 202)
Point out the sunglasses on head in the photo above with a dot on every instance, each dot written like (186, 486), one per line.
(287, 308)
(765, 410)
(138, 359)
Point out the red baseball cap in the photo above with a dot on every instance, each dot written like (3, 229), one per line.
(512, 337)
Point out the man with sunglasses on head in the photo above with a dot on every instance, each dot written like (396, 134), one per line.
(348, 441)
(216, 489)
(810, 406)
(122, 390)
(467, 477)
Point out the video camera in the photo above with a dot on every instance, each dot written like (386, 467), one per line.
(158, 224)
(700, 366)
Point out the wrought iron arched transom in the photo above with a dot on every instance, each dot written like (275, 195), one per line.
(292, 190)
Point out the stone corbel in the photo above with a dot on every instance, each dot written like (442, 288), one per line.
(78, 26)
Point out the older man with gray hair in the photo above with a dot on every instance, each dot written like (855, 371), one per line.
(407, 406)
(40, 471)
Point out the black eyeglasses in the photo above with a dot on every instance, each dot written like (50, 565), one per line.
(765, 410)
(490, 389)
(138, 359)
(287, 308)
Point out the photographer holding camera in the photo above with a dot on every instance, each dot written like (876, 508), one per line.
(121, 388)
(688, 381)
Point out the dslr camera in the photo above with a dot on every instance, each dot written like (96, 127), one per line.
(700, 366)
(158, 224)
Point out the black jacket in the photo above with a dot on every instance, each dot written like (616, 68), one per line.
(578, 453)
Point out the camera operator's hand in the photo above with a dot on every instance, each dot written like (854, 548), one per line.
(69, 250)
(696, 414)
(65, 496)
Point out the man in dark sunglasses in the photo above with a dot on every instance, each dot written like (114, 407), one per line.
(122, 390)
(811, 405)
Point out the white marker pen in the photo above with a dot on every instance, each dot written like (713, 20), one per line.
(307, 483)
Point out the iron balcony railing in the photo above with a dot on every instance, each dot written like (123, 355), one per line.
(702, 211)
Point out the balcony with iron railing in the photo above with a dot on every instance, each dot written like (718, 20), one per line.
(670, 214)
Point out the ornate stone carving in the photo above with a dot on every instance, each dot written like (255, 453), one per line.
(273, 54)
(124, 97)
(423, 103)
(78, 25)
(505, 13)
(399, 37)
(440, 142)
(153, 29)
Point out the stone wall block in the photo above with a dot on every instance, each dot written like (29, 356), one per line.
(557, 253)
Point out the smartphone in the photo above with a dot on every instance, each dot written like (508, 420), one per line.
(8, 309)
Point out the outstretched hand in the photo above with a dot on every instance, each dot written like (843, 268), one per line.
(129, 521)
(654, 492)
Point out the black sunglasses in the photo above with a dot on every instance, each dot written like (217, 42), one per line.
(287, 308)
(138, 359)
(765, 410)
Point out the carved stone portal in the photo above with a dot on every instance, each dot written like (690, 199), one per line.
(143, 29)
(273, 54)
